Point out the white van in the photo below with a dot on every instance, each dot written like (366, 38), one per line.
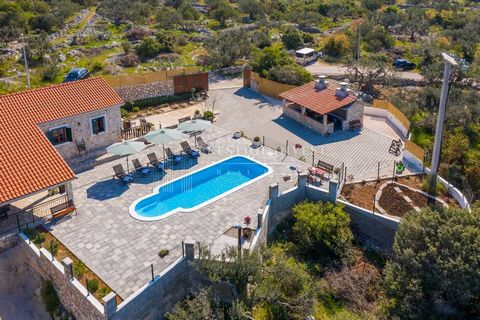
(306, 55)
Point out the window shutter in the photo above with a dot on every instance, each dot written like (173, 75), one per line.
(94, 126)
(68, 132)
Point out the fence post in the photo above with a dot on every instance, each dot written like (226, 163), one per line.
(18, 223)
(373, 210)
(263, 140)
(394, 165)
(183, 249)
(378, 171)
(345, 174)
(151, 267)
(286, 149)
(313, 158)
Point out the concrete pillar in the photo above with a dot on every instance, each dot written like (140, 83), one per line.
(325, 123)
(68, 267)
(259, 219)
(273, 191)
(303, 111)
(110, 305)
(189, 249)
(69, 191)
(332, 191)
(302, 179)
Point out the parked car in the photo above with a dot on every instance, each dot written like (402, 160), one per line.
(404, 64)
(76, 74)
(307, 55)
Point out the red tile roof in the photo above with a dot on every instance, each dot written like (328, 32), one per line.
(320, 101)
(28, 161)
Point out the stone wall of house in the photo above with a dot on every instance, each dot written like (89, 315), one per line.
(71, 293)
(354, 112)
(306, 121)
(148, 90)
(82, 130)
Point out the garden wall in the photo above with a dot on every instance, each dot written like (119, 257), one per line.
(144, 91)
(374, 230)
(72, 294)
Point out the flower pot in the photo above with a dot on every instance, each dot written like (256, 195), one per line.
(257, 144)
(237, 134)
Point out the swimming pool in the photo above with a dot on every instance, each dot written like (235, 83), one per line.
(199, 188)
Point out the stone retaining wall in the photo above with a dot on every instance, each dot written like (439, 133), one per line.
(8, 241)
(144, 91)
(72, 294)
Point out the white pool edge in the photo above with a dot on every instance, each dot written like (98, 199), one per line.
(135, 215)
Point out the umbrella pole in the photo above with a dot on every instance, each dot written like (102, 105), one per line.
(128, 169)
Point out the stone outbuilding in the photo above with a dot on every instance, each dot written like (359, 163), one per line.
(323, 109)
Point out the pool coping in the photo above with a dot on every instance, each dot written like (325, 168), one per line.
(136, 216)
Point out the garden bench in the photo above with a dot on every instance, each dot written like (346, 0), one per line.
(63, 209)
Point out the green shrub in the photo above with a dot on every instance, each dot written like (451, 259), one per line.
(39, 239)
(163, 253)
(135, 109)
(50, 72)
(104, 291)
(50, 297)
(440, 189)
(323, 228)
(92, 285)
(256, 139)
(123, 113)
(53, 247)
(79, 269)
(207, 115)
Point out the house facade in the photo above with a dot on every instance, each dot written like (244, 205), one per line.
(43, 128)
(323, 109)
(85, 134)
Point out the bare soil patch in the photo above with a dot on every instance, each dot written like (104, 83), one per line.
(394, 203)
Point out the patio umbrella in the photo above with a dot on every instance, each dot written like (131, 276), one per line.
(163, 136)
(126, 148)
(194, 125)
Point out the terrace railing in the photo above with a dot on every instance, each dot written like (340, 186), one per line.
(31, 217)
(136, 132)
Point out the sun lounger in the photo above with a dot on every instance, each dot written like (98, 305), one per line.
(184, 119)
(120, 173)
(139, 168)
(153, 161)
(205, 147)
(188, 150)
(172, 156)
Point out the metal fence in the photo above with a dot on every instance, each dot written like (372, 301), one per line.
(31, 217)
(135, 132)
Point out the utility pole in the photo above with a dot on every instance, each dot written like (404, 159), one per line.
(437, 145)
(27, 72)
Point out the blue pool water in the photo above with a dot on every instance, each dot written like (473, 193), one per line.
(199, 188)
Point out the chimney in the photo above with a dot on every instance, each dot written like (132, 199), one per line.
(342, 91)
(321, 83)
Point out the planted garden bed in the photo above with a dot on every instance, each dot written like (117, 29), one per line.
(42, 238)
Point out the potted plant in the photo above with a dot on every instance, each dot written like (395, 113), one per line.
(208, 115)
(247, 232)
(196, 114)
(257, 142)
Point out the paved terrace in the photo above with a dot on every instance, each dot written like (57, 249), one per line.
(120, 249)
(243, 109)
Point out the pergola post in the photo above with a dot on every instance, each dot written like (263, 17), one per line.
(69, 191)
(325, 124)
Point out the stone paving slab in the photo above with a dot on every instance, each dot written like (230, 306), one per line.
(120, 249)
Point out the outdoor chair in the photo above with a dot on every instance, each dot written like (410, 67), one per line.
(188, 150)
(139, 168)
(205, 147)
(170, 155)
(120, 174)
(153, 161)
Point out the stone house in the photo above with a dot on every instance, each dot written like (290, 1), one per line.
(323, 109)
(40, 129)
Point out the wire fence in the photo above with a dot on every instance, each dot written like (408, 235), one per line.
(36, 215)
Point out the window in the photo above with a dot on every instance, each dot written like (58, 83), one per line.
(60, 135)
(98, 125)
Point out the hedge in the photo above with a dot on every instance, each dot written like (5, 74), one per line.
(156, 101)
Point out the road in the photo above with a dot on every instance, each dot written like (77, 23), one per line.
(338, 70)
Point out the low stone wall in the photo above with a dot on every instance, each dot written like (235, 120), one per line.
(8, 241)
(72, 294)
(144, 91)
(305, 121)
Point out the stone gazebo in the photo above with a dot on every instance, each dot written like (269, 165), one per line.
(323, 109)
